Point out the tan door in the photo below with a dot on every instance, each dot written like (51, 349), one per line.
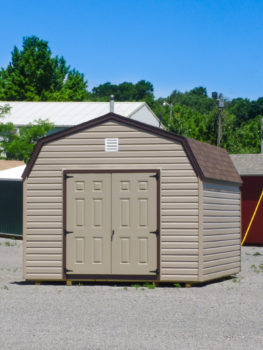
(134, 217)
(111, 224)
(88, 241)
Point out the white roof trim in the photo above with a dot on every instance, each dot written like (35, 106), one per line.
(13, 174)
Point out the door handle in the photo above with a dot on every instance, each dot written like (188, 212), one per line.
(112, 234)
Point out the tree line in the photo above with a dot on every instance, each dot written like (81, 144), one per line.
(34, 74)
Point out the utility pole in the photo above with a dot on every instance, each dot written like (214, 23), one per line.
(170, 109)
(221, 105)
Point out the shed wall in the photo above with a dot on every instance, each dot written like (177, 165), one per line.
(137, 150)
(221, 230)
(11, 207)
(251, 191)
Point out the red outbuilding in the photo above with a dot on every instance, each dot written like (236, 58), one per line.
(250, 168)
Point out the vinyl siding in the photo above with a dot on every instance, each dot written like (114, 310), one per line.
(221, 231)
(137, 150)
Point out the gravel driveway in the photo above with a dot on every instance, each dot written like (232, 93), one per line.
(222, 315)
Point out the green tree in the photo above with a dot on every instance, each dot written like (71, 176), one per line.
(34, 75)
(20, 145)
(3, 110)
(242, 139)
(126, 91)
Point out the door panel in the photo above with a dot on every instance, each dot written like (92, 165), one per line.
(134, 216)
(111, 217)
(89, 218)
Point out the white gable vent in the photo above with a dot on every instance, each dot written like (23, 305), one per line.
(111, 145)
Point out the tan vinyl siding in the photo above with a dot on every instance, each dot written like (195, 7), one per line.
(221, 230)
(137, 150)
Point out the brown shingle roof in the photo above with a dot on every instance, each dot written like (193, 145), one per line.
(214, 162)
(209, 162)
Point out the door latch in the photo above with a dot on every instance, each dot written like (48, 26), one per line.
(156, 176)
(67, 232)
(66, 176)
(112, 234)
(67, 270)
(155, 232)
(155, 271)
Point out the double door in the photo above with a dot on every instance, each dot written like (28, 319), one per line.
(111, 223)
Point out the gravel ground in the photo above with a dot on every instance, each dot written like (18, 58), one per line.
(222, 315)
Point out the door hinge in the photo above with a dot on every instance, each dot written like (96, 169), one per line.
(155, 271)
(155, 232)
(157, 176)
(67, 232)
(66, 176)
(67, 270)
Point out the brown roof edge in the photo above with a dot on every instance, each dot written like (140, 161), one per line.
(215, 162)
(126, 121)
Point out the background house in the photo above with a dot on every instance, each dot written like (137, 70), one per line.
(11, 200)
(67, 114)
(250, 168)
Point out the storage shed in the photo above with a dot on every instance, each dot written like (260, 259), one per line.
(117, 199)
(11, 203)
(250, 168)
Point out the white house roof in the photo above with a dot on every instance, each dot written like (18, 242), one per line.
(66, 113)
(12, 173)
(248, 164)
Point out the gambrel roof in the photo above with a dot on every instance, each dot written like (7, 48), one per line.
(209, 162)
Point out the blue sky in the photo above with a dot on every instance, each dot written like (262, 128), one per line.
(174, 44)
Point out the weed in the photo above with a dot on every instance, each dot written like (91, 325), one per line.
(256, 254)
(10, 244)
(254, 268)
(149, 285)
(235, 279)
(80, 284)
(260, 266)
(5, 287)
(248, 254)
(136, 285)
(177, 285)
(125, 288)
(0, 243)
(15, 269)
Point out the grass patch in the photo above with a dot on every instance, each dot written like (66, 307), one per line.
(177, 285)
(256, 254)
(10, 244)
(237, 279)
(149, 285)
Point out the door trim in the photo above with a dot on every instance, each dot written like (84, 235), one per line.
(109, 277)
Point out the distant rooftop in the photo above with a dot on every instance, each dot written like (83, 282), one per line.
(7, 164)
(66, 114)
(248, 164)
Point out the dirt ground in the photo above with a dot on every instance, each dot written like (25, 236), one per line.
(227, 314)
